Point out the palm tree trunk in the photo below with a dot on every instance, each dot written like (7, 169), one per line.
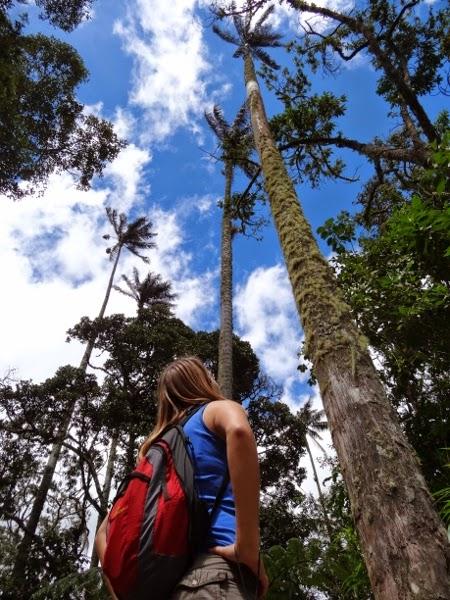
(18, 574)
(319, 489)
(106, 489)
(404, 544)
(225, 367)
(101, 314)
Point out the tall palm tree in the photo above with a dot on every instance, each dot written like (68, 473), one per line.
(235, 143)
(151, 293)
(313, 421)
(401, 535)
(135, 237)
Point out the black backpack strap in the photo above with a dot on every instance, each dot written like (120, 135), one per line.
(220, 495)
(226, 479)
(190, 413)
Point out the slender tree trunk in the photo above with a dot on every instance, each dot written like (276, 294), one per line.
(18, 574)
(225, 368)
(106, 489)
(319, 489)
(404, 543)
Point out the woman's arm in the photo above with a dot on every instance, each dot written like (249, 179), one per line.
(229, 420)
(100, 546)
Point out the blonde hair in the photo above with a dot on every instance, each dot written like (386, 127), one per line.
(183, 383)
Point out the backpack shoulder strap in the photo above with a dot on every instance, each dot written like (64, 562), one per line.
(226, 479)
(190, 413)
(220, 494)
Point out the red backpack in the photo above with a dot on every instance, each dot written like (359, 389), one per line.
(157, 521)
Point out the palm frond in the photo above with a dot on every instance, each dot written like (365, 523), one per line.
(240, 25)
(134, 251)
(112, 215)
(235, 140)
(268, 37)
(154, 290)
(320, 425)
(139, 235)
(241, 119)
(220, 118)
(266, 14)
(130, 292)
(249, 168)
(226, 35)
(265, 58)
(318, 444)
(214, 125)
(313, 434)
(248, 15)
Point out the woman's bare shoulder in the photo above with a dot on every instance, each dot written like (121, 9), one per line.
(218, 407)
(219, 415)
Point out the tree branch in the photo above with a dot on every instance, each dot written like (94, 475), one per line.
(374, 151)
(86, 459)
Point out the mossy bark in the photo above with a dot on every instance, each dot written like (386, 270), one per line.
(23, 549)
(225, 367)
(404, 543)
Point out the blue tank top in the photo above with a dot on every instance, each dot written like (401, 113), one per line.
(210, 465)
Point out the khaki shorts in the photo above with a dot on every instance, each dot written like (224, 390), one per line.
(211, 577)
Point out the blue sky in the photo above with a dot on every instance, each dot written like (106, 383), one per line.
(154, 68)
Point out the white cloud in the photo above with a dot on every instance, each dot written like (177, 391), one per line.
(195, 291)
(204, 203)
(171, 63)
(127, 173)
(55, 269)
(266, 316)
(124, 123)
(200, 205)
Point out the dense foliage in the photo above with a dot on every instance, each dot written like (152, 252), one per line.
(43, 127)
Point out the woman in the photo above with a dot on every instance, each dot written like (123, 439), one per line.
(221, 440)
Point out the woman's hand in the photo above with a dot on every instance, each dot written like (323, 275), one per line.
(255, 564)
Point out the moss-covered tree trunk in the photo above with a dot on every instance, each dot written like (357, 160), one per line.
(404, 543)
(23, 549)
(225, 368)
